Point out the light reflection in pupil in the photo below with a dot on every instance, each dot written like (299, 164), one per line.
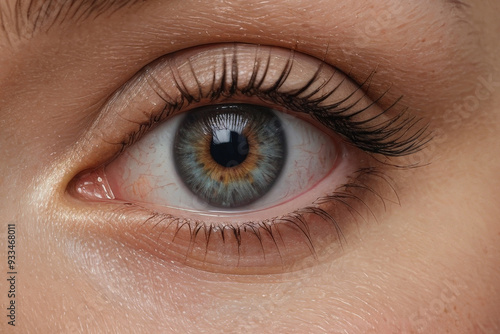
(228, 148)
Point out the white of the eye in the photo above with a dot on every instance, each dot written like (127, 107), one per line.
(311, 154)
(146, 173)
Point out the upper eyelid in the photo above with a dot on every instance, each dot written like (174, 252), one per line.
(326, 89)
(125, 112)
(259, 80)
(125, 117)
(165, 76)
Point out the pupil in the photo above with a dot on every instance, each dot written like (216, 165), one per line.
(228, 148)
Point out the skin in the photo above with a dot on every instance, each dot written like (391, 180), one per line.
(428, 264)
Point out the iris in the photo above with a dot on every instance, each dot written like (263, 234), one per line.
(230, 155)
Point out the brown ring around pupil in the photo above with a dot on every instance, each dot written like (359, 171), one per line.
(227, 175)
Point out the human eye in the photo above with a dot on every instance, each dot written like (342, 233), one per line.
(242, 158)
(222, 160)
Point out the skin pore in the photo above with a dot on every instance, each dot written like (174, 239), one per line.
(424, 259)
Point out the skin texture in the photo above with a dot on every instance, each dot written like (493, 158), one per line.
(429, 263)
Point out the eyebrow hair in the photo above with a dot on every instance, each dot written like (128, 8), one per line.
(30, 17)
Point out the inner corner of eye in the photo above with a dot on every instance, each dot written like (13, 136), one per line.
(92, 185)
(231, 157)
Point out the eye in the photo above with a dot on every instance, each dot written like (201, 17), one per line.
(229, 157)
(241, 158)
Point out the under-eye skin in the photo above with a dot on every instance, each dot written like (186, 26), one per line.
(249, 231)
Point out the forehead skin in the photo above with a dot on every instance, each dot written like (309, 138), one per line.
(438, 251)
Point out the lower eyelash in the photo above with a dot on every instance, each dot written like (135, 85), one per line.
(351, 200)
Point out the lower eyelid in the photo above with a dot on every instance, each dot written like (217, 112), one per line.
(260, 247)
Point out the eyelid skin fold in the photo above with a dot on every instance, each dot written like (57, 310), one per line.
(295, 81)
(292, 83)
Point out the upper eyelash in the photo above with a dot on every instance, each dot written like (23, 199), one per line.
(399, 135)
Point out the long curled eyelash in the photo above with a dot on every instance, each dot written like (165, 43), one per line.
(399, 135)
